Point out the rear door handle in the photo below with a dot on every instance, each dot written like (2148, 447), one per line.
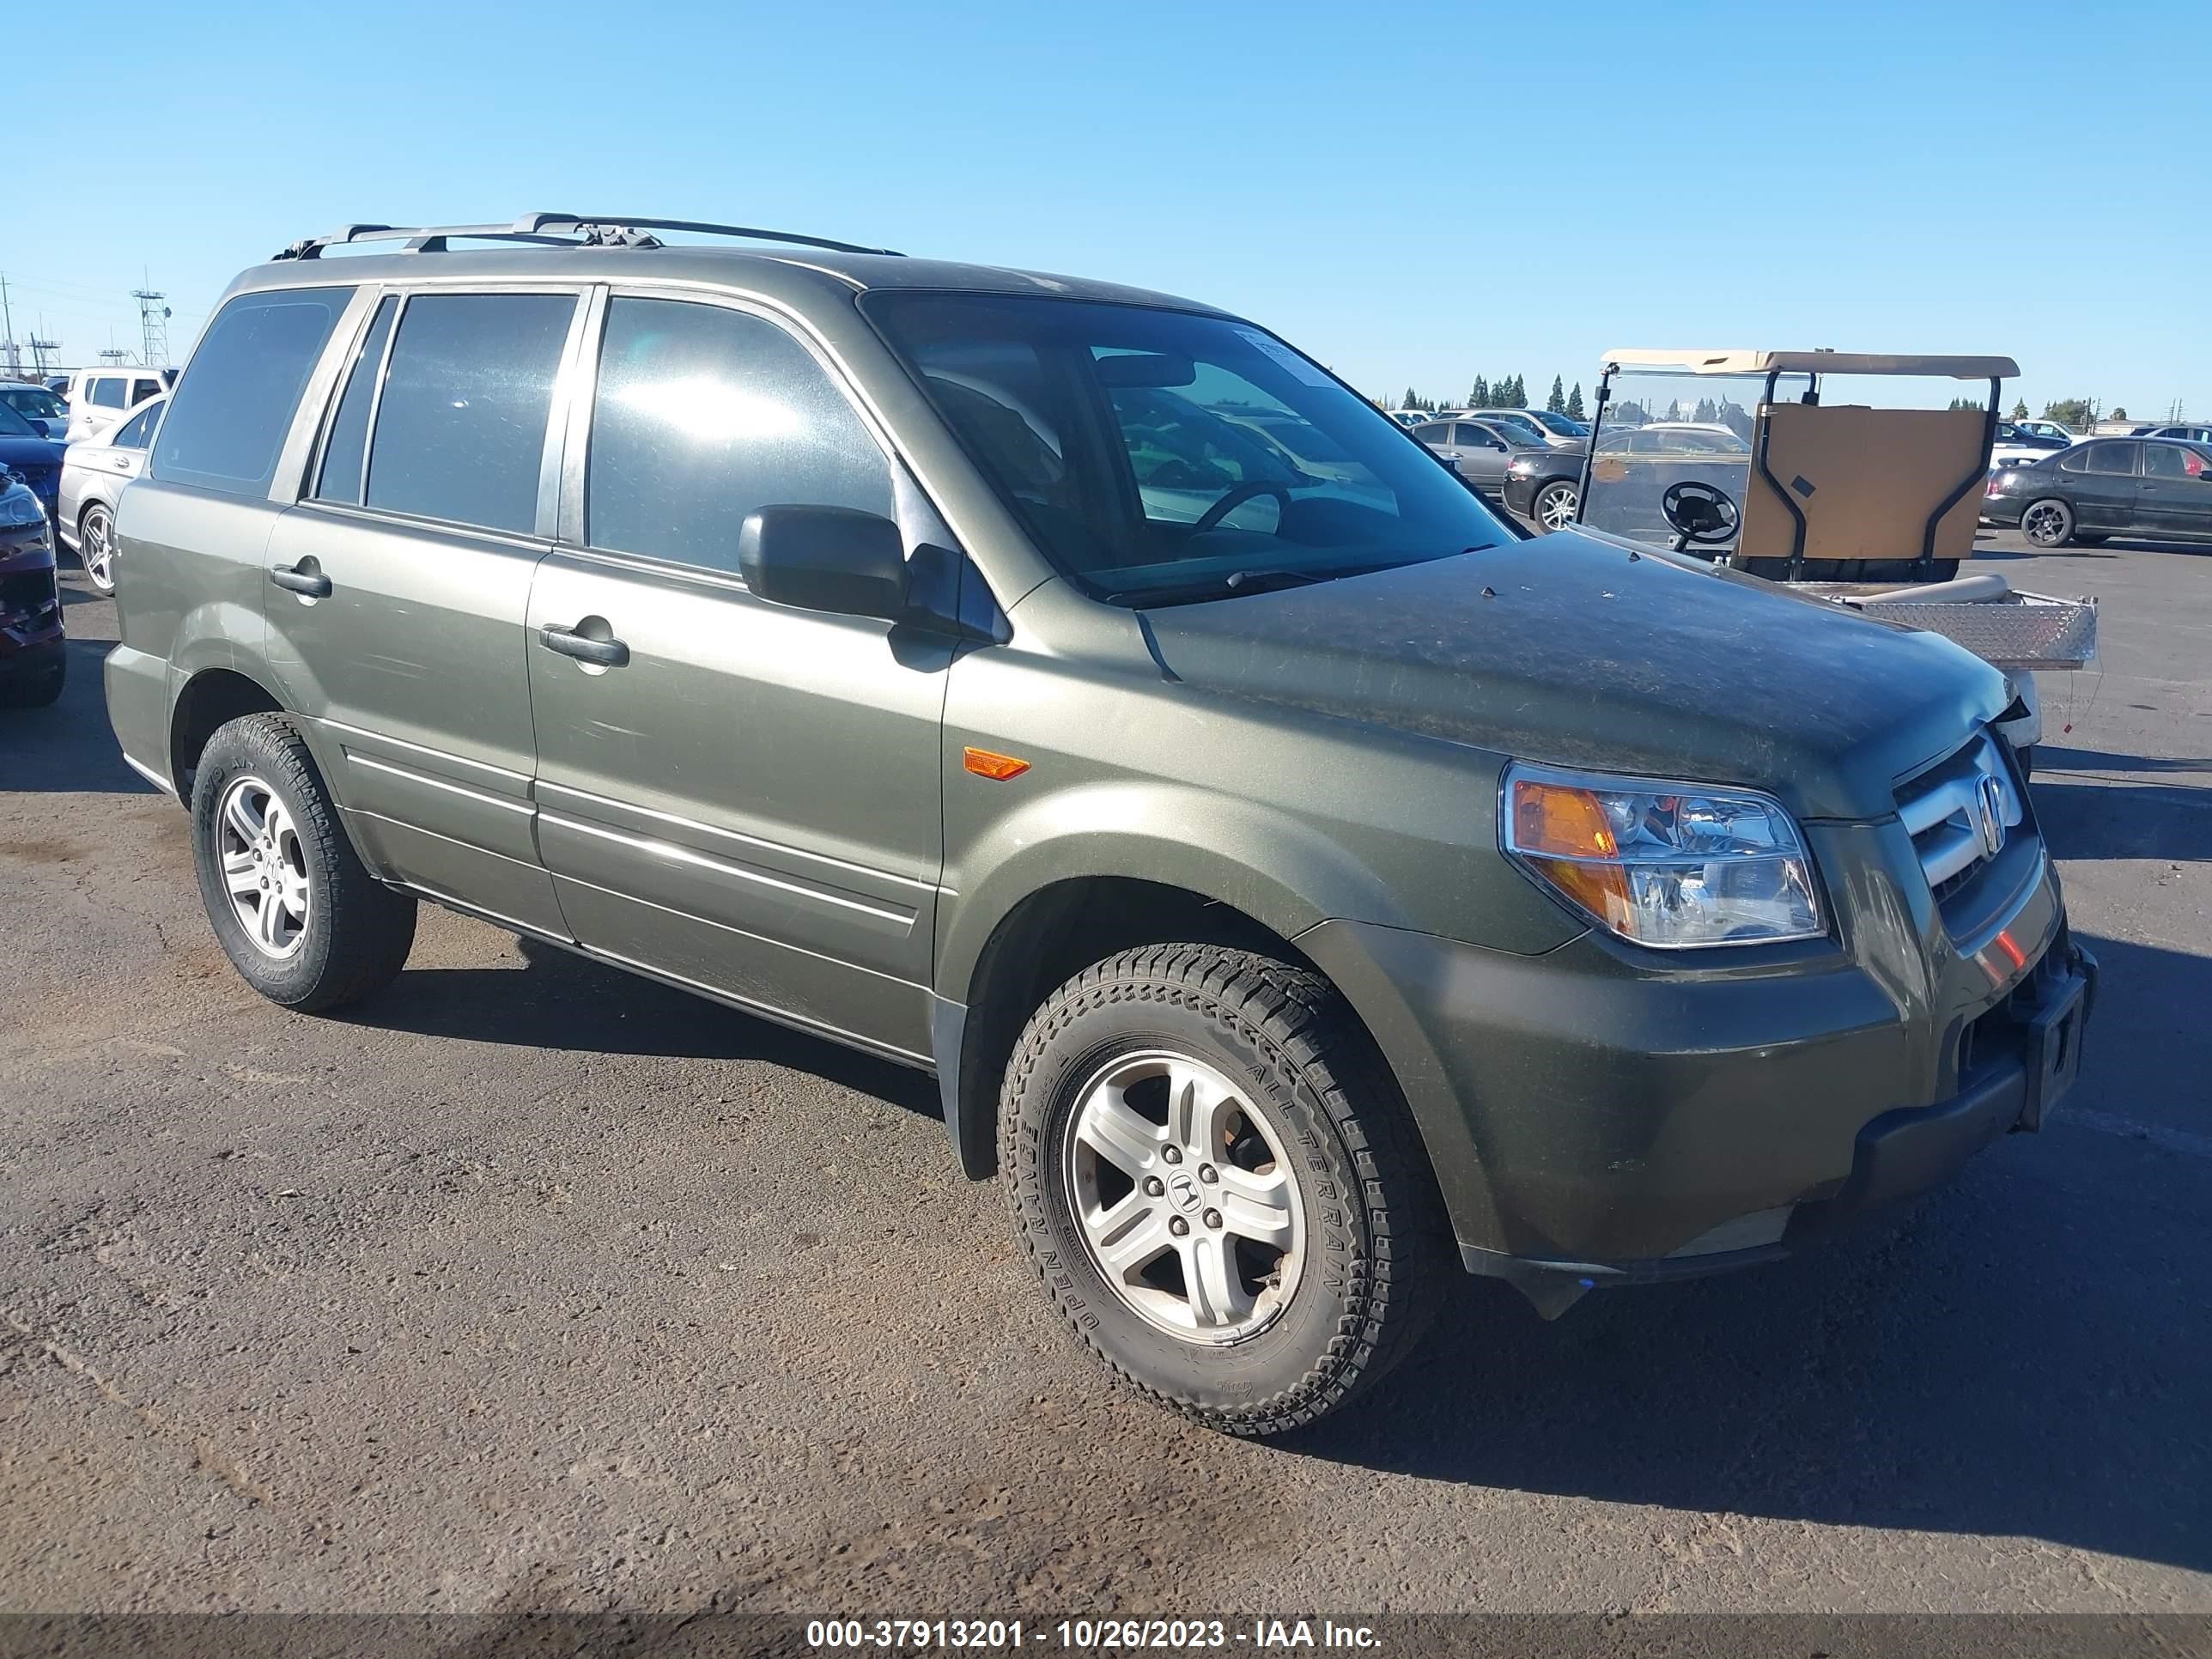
(605, 653)
(312, 583)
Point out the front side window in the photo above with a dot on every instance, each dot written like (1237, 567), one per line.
(703, 414)
(1152, 455)
(106, 393)
(1477, 437)
(230, 412)
(2113, 457)
(135, 433)
(460, 429)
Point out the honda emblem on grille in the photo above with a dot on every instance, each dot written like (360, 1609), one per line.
(1989, 801)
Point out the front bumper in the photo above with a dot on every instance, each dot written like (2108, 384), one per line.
(1598, 1115)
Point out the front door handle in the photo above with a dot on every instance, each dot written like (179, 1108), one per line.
(312, 583)
(604, 653)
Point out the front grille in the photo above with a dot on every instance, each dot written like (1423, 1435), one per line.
(1960, 813)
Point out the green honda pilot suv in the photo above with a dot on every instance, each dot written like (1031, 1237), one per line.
(1301, 886)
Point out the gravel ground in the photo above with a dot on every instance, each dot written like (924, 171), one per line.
(530, 1285)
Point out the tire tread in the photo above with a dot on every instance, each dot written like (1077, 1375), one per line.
(1299, 1017)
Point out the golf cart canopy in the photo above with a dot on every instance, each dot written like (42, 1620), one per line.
(1814, 362)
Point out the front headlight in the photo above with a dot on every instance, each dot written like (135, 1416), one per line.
(1674, 865)
(1524, 466)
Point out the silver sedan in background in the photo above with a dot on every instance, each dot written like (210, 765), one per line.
(1479, 449)
(93, 472)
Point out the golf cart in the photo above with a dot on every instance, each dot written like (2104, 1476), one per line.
(1746, 458)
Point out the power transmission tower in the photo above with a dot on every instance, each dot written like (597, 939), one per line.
(115, 355)
(152, 325)
(39, 348)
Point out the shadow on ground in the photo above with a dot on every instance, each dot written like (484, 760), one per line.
(562, 1000)
(68, 747)
(2123, 820)
(2023, 1354)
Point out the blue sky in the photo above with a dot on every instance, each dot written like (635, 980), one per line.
(1412, 192)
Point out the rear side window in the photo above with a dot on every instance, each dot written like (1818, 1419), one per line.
(134, 432)
(460, 429)
(339, 477)
(229, 413)
(703, 414)
(141, 390)
(107, 393)
(2113, 457)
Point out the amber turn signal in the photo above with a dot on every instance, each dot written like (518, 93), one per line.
(984, 764)
(1560, 820)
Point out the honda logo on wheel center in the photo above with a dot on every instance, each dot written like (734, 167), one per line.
(1183, 1191)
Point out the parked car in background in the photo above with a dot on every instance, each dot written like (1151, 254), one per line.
(2106, 487)
(2188, 432)
(1410, 418)
(32, 663)
(2016, 446)
(94, 473)
(42, 408)
(1478, 450)
(1544, 486)
(28, 449)
(2051, 430)
(99, 398)
(1559, 430)
(1507, 420)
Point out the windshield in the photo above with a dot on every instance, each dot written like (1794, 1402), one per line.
(13, 425)
(1514, 423)
(34, 401)
(1156, 456)
(1558, 424)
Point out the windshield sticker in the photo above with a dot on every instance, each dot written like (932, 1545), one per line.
(1304, 372)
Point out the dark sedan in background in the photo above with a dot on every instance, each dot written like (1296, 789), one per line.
(36, 458)
(2107, 487)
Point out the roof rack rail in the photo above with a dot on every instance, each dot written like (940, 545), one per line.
(556, 230)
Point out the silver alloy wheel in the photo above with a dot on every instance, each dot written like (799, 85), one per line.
(2044, 524)
(265, 868)
(1555, 506)
(96, 546)
(1183, 1193)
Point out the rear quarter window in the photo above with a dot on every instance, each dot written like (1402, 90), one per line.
(228, 416)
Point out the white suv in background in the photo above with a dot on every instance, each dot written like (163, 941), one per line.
(100, 398)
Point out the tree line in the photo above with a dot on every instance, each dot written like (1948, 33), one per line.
(1506, 392)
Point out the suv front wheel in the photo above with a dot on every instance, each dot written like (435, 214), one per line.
(1219, 1182)
(299, 917)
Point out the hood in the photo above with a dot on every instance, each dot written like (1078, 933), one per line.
(1571, 650)
(30, 453)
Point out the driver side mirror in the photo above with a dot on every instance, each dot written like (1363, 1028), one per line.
(824, 558)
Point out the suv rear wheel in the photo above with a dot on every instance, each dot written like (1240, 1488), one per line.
(302, 920)
(1217, 1181)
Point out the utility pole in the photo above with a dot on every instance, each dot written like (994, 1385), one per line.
(8, 332)
(152, 325)
(39, 348)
